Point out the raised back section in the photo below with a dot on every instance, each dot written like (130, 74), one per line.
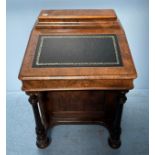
(76, 19)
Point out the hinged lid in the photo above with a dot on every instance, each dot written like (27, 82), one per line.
(47, 15)
(77, 50)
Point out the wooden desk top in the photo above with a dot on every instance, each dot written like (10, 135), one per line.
(97, 55)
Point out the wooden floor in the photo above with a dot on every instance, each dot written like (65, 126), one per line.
(78, 139)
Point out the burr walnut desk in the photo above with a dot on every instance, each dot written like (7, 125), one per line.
(77, 68)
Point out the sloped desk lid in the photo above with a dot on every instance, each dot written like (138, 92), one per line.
(74, 47)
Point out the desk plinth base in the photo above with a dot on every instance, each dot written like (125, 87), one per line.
(78, 107)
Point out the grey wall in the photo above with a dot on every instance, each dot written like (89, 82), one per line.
(21, 16)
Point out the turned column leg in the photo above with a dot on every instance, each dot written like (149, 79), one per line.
(115, 131)
(42, 140)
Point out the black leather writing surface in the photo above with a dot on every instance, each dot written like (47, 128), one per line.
(77, 51)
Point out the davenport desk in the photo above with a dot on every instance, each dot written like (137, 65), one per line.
(77, 68)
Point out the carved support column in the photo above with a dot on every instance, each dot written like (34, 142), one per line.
(42, 140)
(115, 131)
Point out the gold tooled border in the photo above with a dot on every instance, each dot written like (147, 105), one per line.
(80, 63)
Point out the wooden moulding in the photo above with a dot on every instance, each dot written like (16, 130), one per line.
(44, 85)
(76, 19)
